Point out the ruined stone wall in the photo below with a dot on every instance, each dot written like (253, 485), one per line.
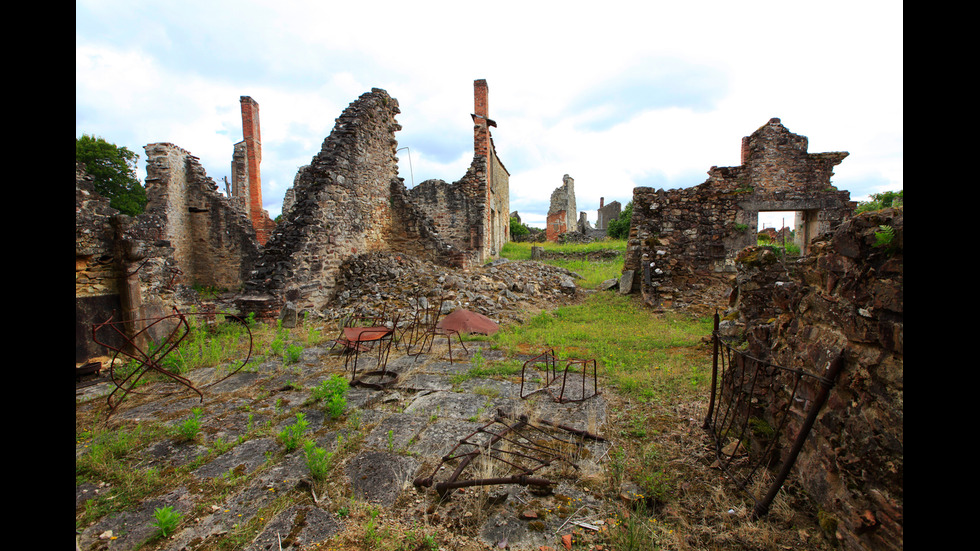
(701, 229)
(845, 297)
(123, 268)
(450, 208)
(213, 240)
(606, 213)
(347, 202)
(562, 211)
(498, 205)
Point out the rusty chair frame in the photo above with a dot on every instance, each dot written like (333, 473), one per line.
(550, 361)
(150, 359)
(356, 338)
(431, 330)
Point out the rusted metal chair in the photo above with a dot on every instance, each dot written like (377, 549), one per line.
(432, 329)
(361, 334)
(565, 394)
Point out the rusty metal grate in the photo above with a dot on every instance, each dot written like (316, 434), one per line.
(513, 450)
(755, 407)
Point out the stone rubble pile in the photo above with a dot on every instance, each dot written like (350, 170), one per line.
(501, 290)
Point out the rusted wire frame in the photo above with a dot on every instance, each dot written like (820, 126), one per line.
(433, 330)
(551, 371)
(722, 425)
(585, 368)
(525, 477)
(551, 375)
(151, 362)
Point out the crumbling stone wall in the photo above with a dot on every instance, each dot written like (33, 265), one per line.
(561, 210)
(124, 270)
(214, 242)
(846, 297)
(678, 232)
(347, 202)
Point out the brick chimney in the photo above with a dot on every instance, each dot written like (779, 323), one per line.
(602, 202)
(481, 122)
(253, 156)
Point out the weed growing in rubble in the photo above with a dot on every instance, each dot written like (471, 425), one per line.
(190, 427)
(292, 436)
(318, 460)
(166, 521)
(333, 393)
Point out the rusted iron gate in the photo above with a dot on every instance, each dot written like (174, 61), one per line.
(146, 355)
(753, 404)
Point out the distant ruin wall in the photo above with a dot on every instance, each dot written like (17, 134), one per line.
(845, 297)
(451, 210)
(562, 212)
(702, 228)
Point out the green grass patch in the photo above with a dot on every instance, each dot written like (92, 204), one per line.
(593, 271)
(647, 355)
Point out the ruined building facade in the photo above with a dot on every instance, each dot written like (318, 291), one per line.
(131, 268)
(473, 213)
(562, 212)
(678, 232)
(350, 201)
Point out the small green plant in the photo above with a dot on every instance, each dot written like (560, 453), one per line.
(292, 354)
(884, 236)
(391, 440)
(190, 427)
(292, 436)
(166, 521)
(333, 393)
(318, 460)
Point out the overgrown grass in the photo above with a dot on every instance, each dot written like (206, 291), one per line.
(646, 355)
(592, 271)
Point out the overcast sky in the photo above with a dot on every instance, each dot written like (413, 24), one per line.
(614, 94)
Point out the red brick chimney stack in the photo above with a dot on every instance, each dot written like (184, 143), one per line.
(253, 155)
(481, 128)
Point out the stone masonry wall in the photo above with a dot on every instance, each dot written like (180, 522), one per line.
(213, 240)
(678, 232)
(846, 297)
(347, 202)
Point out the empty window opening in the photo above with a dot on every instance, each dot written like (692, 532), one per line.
(786, 229)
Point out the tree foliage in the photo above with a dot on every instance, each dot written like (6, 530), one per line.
(882, 200)
(517, 229)
(114, 171)
(620, 227)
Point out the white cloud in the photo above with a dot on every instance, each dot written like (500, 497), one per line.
(671, 87)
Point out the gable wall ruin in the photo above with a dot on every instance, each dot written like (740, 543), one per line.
(678, 232)
(348, 201)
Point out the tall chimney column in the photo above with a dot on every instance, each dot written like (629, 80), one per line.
(253, 156)
(481, 130)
